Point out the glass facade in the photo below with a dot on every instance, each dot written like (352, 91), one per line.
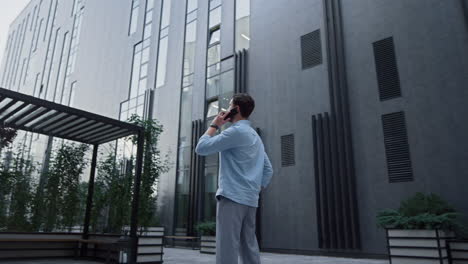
(242, 24)
(72, 53)
(163, 43)
(138, 101)
(17, 54)
(33, 21)
(212, 88)
(134, 16)
(50, 54)
(185, 123)
(61, 68)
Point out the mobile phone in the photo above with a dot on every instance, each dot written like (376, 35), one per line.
(231, 113)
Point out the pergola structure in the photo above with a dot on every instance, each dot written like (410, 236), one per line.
(28, 113)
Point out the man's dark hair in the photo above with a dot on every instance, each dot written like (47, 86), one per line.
(245, 102)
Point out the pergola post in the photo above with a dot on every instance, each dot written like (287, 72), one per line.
(89, 200)
(136, 199)
(60, 121)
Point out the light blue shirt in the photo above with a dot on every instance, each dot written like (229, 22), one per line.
(244, 166)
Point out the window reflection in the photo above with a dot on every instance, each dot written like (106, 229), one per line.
(162, 61)
(242, 24)
(215, 17)
(214, 36)
(214, 54)
(213, 109)
(166, 13)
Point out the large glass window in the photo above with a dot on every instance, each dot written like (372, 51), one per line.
(134, 16)
(212, 86)
(213, 109)
(185, 121)
(33, 21)
(14, 73)
(166, 13)
(186, 117)
(214, 54)
(242, 24)
(211, 171)
(162, 61)
(191, 5)
(189, 53)
(163, 43)
(75, 40)
(215, 17)
(58, 91)
(37, 34)
(214, 36)
(147, 30)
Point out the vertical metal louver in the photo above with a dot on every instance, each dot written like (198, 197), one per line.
(240, 80)
(287, 150)
(386, 68)
(397, 147)
(311, 49)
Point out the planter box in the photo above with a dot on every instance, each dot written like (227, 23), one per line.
(208, 245)
(150, 245)
(418, 246)
(458, 251)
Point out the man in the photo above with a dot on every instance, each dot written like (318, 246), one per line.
(244, 170)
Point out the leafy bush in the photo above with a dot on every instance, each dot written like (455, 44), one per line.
(420, 212)
(206, 228)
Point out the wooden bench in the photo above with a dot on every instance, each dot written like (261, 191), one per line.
(45, 240)
(112, 245)
(194, 240)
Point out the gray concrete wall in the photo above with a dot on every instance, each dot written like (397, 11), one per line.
(431, 43)
(166, 110)
(286, 98)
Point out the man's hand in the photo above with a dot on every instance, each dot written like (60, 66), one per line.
(219, 120)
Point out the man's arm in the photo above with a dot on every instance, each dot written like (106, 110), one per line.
(208, 144)
(267, 172)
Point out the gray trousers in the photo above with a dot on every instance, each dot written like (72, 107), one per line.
(235, 233)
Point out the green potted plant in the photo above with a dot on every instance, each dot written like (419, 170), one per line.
(207, 231)
(417, 231)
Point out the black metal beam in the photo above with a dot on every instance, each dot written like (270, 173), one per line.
(28, 119)
(41, 128)
(73, 124)
(8, 105)
(101, 132)
(89, 200)
(42, 120)
(11, 113)
(85, 133)
(136, 200)
(113, 137)
(22, 127)
(24, 114)
(80, 130)
(49, 129)
(65, 109)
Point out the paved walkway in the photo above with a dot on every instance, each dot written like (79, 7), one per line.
(49, 261)
(188, 256)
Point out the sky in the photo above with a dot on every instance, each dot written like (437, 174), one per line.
(9, 9)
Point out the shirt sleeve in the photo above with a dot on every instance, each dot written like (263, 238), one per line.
(227, 139)
(267, 171)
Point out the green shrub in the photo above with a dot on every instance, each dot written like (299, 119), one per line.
(420, 212)
(206, 228)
